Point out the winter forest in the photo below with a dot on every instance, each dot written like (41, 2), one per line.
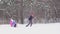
(45, 11)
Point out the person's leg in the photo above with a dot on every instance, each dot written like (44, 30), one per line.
(31, 23)
(14, 25)
(28, 24)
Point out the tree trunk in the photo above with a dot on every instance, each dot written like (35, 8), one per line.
(21, 12)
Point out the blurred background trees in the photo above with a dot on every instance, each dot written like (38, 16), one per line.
(45, 11)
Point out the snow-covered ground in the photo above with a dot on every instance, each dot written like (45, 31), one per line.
(52, 28)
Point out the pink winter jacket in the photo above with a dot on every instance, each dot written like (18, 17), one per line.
(11, 21)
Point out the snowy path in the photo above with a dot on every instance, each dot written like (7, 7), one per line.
(35, 29)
